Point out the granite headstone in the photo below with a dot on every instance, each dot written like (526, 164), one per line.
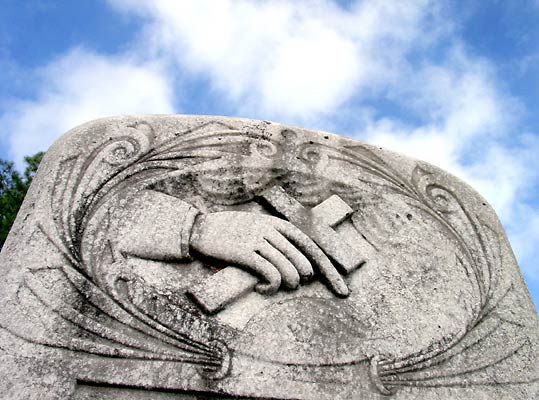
(195, 257)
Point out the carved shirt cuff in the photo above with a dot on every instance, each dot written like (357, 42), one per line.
(157, 226)
(186, 229)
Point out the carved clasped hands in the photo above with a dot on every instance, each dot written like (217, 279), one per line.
(269, 247)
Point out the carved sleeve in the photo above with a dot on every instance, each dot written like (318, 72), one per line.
(156, 226)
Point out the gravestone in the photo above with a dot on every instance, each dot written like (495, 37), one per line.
(190, 257)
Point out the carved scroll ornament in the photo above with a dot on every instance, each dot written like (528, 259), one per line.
(153, 267)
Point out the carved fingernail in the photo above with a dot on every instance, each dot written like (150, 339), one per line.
(341, 289)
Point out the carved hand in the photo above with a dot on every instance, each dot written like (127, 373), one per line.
(271, 248)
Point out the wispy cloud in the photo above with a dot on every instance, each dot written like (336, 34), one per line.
(465, 123)
(286, 59)
(78, 87)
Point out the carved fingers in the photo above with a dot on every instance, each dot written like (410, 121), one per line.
(303, 268)
(271, 248)
(289, 274)
(270, 274)
(280, 264)
(326, 268)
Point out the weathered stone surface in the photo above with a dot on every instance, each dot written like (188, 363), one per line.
(164, 257)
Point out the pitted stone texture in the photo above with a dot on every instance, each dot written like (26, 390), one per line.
(193, 257)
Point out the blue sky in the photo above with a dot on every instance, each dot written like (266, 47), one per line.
(455, 83)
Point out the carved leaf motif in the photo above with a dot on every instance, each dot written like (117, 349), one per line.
(122, 327)
(451, 362)
(130, 160)
(109, 329)
(376, 167)
(112, 167)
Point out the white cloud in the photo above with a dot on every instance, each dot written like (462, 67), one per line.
(285, 59)
(78, 87)
(464, 117)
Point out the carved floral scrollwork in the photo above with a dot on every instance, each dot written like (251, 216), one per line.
(83, 180)
(313, 154)
(83, 184)
(441, 364)
(264, 149)
(125, 330)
